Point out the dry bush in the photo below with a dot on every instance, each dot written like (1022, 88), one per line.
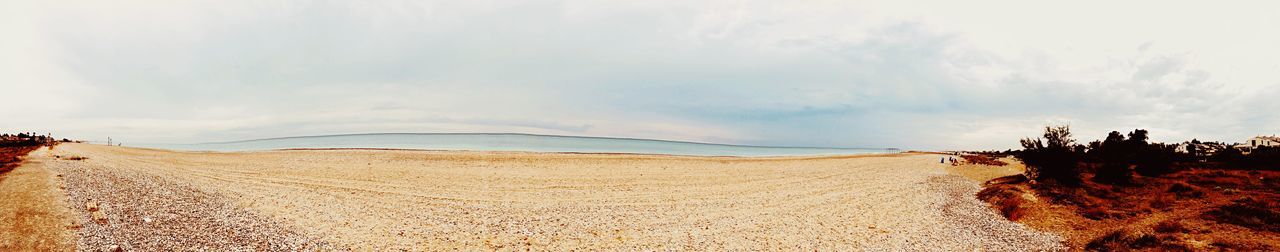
(1184, 190)
(11, 156)
(1114, 173)
(1162, 202)
(983, 160)
(1124, 241)
(1095, 212)
(1170, 226)
(1006, 198)
(1013, 208)
(1248, 213)
(1011, 179)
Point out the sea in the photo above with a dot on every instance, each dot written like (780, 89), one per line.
(514, 142)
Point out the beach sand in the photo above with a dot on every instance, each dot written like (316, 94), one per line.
(429, 200)
(33, 212)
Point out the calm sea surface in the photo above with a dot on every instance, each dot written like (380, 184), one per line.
(515, 142)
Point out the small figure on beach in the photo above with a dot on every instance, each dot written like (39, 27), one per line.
(942, 161)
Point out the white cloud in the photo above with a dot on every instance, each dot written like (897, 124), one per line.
(913, 74)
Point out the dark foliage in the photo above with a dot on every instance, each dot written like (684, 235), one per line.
(1249, 213)
(1154, 160)
(1114, 173)
(1262, 158)
(1052, 158)
(1124, 241)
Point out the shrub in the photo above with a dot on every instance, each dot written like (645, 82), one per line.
(1006, 198)
(1267, 158)
(1154, 160)
(1122, 241)
(1170, 226)
(983, 160)
(1247, 212)
(1114, 173)
(1111, 241)
(1162, 202)
(1184, 190)
(1052, 159)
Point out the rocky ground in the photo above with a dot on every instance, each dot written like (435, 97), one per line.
(126, 210)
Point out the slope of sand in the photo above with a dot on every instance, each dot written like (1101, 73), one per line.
(390, 199)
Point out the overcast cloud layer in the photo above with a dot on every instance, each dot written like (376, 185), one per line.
(920, 75)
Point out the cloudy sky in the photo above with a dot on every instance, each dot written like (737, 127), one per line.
(921, 75)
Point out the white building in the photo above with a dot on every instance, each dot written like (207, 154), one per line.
(1206, 149)
(1258, 141)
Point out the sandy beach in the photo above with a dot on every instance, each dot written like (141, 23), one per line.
(428, 200)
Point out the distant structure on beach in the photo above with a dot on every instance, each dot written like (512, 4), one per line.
(1197, 148)
(1258, 141)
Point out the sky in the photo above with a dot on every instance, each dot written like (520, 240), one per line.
(930, 75)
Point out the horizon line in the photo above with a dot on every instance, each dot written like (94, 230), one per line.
(546, 135)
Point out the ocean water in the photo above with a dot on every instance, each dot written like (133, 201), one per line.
(515, 142)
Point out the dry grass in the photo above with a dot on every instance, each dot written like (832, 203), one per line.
(33, 215)
(1194, 209)
(982, 173)
(1250, 213)
(1009, 196)
(11, 157)
(984, 160)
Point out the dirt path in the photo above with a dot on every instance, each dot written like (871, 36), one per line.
(33, 211)
(388, 200)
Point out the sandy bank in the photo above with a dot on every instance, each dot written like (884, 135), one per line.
(387, 199)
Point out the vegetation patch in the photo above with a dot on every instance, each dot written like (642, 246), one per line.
(1164, 199)
(983, 159)
(11, 156)
(1249, 213)
(1124, 240)
(1011, 200)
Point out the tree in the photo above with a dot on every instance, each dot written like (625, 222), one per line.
(1154, 160)
(1115, 153)
(1114, 138)
(1138, 137)
(1052, 158)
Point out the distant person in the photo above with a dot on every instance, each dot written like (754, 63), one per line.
(942, 161)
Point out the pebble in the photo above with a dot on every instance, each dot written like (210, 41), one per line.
(190, 219)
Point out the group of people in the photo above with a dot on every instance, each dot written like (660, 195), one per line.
(953, 160)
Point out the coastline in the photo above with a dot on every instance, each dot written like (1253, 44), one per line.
(516, 142)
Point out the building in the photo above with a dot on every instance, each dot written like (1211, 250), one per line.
(1201, 149)
(1258, 141)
